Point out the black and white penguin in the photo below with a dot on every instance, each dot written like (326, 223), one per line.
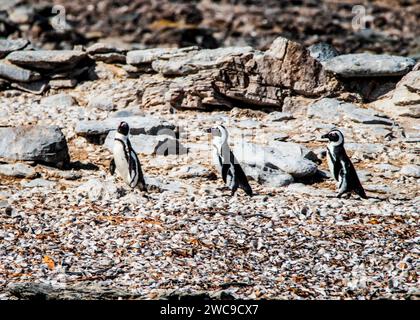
(340, 165)
(226, 163)
(125, 160)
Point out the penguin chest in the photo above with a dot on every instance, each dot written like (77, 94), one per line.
(331, 160)
(121, 161)
(217, 159)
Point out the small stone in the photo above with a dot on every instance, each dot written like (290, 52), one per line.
(42, 183)
(322, 51)
(47, 59)
(61, 100)
(411, 170)
(101, 102)
(18, 170)
(14, 73)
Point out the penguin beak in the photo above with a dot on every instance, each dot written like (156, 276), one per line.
(207, 130)
(325, 136)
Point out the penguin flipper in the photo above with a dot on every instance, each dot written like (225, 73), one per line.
(242, 179)
(112, 166)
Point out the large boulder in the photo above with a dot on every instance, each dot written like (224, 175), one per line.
(34, 143)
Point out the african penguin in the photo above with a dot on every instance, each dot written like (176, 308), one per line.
(340, 165)
(125, 160)
(226, 163)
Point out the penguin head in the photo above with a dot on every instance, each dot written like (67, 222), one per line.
(219, 133)
(123, 128)
(335, 136)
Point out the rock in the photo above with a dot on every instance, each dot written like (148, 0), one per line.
(407, 91)
(34, 143)
(38, 183)
(369, 65)
(322, 51)
(102, 102)
(269, 177)
(99, 47)
(411, 170)
(365, 148)
(97, 189)
(267, 157)
(151, 144)
(10, 45)
(62, 83)
(279, 116)
(386, 167)
(36, 87)
(18, 170)
(192, 61)
(173, 187)
(96, 131)
(111, 57)
(61, 99)
(14, 73)
(47, 59)
(332, 110)
(193, 171)
(146, 56)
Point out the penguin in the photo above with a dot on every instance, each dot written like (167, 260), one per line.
(226, 163)
(125, 161)
(340, 166)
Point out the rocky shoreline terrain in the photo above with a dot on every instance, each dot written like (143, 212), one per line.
(68, 229)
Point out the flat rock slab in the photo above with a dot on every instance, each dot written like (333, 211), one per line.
(96, 131)
(322, 51)
(369, 65)
(331, 110)
(14, 73)
(411, 170)
(34, 143)
(18, 170)
(61, 99)
(152, 145)
(47, 59)
(7, 46)
(139, 57)
(38, 183)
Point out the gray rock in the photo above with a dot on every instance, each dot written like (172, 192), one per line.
(96, 131)
(103, 48)
(96, 189)
(322, 51)
(291, 149)
(332, 110)
(151, 144)
(14, 73)
(193, 61)
(365, 148)
(61, 99)
(269, 177)
(36, 87)
(62, 83)
(369, 65)
(101, 102)
(263, 157)
(42, 183)
(411, 170)
(18, 170)
(386, 167)
(139, 57)
(279, 116)
(192, 171)
(47, 59)
(10, 45)
(34, 143)
(173, 187)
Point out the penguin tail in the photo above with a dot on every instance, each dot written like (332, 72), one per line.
(361, 192)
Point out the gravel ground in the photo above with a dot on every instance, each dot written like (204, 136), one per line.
(294, 242)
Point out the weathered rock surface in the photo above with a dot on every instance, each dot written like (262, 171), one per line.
(18, 170)
(268, 157)
(322, 52)
(47, 59)
(61, 99)
(96, 131)
(329, 109)
(369, 65)
(97, 189)
(411, 170)
(38, 183)
(34, 143)
(10, 45)
(15, 73)
(150, 144)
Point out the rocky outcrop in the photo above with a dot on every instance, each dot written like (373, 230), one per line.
(34, 143)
